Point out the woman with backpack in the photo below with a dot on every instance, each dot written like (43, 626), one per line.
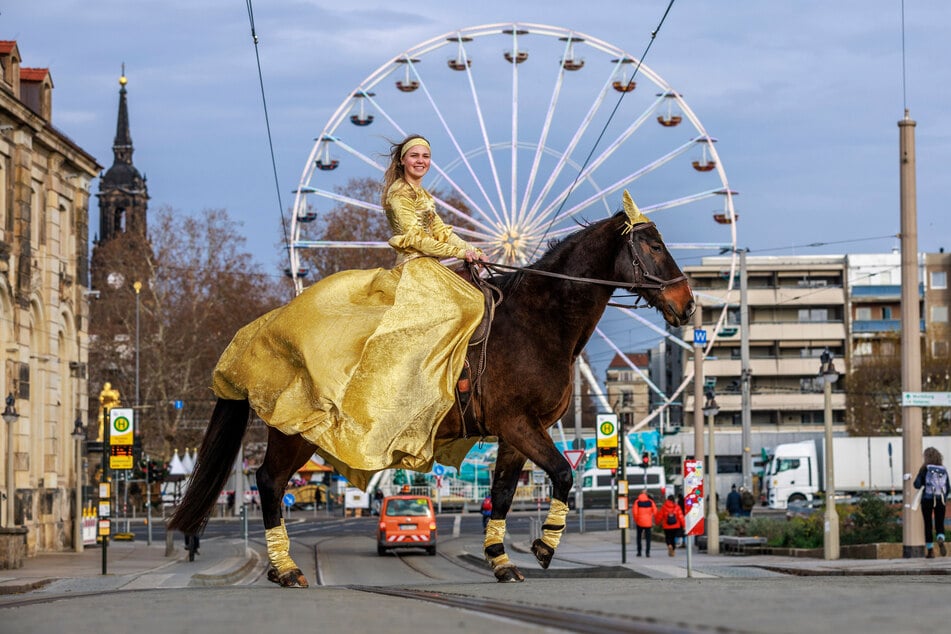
(671, 519)
(933, 479)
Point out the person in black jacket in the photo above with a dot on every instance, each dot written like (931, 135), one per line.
(733, 505)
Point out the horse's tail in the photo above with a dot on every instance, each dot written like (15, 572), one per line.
(215, 459)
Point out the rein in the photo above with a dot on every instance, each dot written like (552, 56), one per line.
(652, 281)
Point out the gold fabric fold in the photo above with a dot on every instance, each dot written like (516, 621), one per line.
(363, 364)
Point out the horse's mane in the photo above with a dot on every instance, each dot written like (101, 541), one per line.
(556, 248)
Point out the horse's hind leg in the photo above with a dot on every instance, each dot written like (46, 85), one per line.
(508, 467)
(284, 456)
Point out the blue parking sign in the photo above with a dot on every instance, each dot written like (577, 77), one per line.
(699, 337)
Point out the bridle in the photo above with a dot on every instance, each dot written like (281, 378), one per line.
(643, 280)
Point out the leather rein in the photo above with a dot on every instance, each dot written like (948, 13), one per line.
(642, 279)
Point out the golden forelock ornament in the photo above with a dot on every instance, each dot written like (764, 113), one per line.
(634, 215)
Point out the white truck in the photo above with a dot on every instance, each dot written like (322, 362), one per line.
(796, 471)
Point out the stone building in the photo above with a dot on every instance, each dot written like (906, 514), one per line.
(44, 218)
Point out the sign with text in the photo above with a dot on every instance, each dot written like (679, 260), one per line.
(926, 399)
(693, 497)
(121, 457)
(607, 441)
(121, 428)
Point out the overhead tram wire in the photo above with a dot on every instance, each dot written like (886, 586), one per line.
(267, 123)
(604, 129)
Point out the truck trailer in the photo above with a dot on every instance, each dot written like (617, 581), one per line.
(866, 464)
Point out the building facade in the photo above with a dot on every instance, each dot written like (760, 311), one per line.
(44, 229)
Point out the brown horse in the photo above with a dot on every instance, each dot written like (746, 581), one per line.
(549, 311)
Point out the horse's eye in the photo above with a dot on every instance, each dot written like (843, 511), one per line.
(656, 248)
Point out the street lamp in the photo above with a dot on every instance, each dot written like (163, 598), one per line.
(710, 410)
(827, 376)
(10, 417)
(79, 434)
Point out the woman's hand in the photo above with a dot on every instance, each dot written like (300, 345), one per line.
(476, 256)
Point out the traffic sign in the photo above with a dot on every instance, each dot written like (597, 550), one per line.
(574, 457)
(439, 470)
(699, 337)
(289, 499)
(926, 399)
(693, 497)
(607, 441)
(121, 426)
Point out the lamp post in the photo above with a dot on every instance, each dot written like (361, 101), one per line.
(79, 434)
(10, 417)
(828, 376)
(710, 410)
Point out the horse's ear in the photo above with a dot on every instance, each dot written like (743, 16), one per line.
(634, 215)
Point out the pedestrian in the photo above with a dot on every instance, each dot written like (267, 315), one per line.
(377, 503)
(747, 502)
(733, 504)
(486, 510)
(671, 519)
(932, 478)
(644, 511)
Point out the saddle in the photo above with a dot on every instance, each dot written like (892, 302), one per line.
(469, 385)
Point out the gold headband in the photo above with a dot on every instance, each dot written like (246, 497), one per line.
(634, 215)
(416, 140)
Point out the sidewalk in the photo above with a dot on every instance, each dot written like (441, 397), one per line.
(131, 565)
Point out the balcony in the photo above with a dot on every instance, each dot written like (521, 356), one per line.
(880, 325)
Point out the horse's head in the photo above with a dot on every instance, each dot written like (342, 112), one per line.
(647, 264)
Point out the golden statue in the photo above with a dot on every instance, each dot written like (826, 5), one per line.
(108, 398)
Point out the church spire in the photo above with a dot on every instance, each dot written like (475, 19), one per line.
(122, 146)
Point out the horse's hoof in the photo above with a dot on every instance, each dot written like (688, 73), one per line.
(543, 553)
(290, 579)
(508, 574)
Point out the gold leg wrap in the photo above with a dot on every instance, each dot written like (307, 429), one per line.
(495, 534)
(278, 549)
(555, 522)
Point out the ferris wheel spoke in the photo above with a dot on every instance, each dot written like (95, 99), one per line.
(542, 144)
(629, 363)
(652, 326)
(455, 143)
(680, 202)
(346, 200)
(572, 144)
(356, 153)
(617, 185)
(485, 134)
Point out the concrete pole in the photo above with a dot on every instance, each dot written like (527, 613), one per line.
(830, 542)
(11, 456)
(78, 500)
(713, 519)
(745, 413)
(913, 544)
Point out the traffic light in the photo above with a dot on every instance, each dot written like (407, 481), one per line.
(645, 460)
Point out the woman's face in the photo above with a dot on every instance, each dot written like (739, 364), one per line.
(416, 163)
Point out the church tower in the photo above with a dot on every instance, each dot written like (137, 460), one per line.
(121, 245)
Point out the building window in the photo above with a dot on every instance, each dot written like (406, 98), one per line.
(863, 313)
(939, 349)
(886, 312)
(939, 314)
(939, 279)
(813, 314)
(863, 349)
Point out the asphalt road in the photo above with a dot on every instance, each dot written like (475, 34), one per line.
(354, 590)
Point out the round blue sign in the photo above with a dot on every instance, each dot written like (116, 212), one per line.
(289, 499)
(439, 470)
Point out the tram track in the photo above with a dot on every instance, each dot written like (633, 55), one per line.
(586, 622)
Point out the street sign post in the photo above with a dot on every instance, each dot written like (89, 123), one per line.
(926, 399)
(574, 457)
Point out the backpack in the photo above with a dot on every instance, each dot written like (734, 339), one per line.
(936, 481)
(671, 519)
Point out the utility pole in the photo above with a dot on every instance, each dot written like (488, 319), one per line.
(912, 522)
(579, 444)
(745, 372)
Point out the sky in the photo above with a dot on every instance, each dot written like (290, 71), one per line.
(802, 96)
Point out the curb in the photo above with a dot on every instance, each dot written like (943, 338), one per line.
(20, 588)
(204, 579)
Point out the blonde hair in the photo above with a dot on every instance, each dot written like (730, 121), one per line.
(394, 170)
(933, 456)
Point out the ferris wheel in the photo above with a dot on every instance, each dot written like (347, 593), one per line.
(535, 129)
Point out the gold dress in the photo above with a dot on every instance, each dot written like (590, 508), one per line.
(364, 363)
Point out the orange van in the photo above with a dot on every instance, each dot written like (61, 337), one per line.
(406, 521)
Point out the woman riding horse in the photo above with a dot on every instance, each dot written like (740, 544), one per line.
(298, 366)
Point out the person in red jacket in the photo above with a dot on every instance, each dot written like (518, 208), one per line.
(671, 519)
(644, 511)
